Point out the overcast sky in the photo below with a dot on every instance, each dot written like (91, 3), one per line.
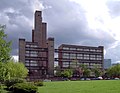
(81, 22)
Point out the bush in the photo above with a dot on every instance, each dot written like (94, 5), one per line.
(26, 87)
(13, 81)
(2, 89)
(38, 83)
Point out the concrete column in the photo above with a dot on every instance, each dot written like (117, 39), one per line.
(50, 43)
(22, 50)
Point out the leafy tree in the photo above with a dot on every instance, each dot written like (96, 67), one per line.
(12, 70)
(67, 73)
(58, 71)
(4, 46)
(96, 71)
(114, 71)
(86, 71)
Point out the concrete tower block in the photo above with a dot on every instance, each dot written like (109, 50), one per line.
(50, 43)
(22, 50)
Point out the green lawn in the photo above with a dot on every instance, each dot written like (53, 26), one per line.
(95, 86)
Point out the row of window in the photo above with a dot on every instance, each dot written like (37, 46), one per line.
(82, 56)
(83, 49)
(31, 64)
(31, 53)
(87, 55)
(35, 63)
(31, 45)
(74, 65)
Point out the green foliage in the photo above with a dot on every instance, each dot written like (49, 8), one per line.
(2, 89)
(86, 73)
(58, 71)
(13, 81)
(24, 88)
(12, 70)
(3, 72)
(38, 83)
(85, 70)
(16, 69)
(4, 46)
(67, 73)
(114, 71)
(97, 71)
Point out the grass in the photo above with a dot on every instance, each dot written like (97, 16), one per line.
(95, 86)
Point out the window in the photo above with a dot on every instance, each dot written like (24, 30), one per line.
(99, 57)
(33, 46)
(27, 45)
(65, 54)
(27, 64)
(30, 45)
(86, 64)
(98, 50)
(86, 49)
(65, 48)
(31, 64)
(27, 55)
(33, 61)
(73, 64)
(92, 58)
(27, 61)
(93, 50)
(65, 64)
(80, 49)
(31, 53)
(73, 56)
(79, 55)
(92, 55)
(72, 48)
(27, 51)
(86, 56)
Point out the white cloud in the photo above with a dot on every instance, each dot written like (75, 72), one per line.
(15, 58)
(84, 22)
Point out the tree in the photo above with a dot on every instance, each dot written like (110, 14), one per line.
(86, 71)
(4, 46)
(12, 69)
(96, 71)
(67, 73)
(57, 71)
(114, 71)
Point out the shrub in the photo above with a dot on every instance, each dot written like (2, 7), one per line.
(26, 87)
(38, 83)
(2, 89)
(13, 81)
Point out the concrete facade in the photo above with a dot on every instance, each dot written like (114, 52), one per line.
(38, 54)
(71, 56)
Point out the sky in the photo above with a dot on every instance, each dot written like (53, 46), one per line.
(80, 22)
